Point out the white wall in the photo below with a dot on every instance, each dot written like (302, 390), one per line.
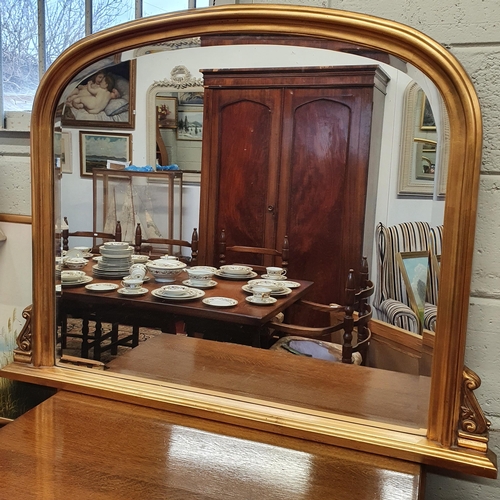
(391, 209)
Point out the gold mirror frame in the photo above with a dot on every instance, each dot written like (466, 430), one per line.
(446, 444)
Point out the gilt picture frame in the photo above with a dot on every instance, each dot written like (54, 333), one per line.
(104, 98)
(96, 149)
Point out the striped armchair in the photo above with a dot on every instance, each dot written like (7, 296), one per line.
(391, 300)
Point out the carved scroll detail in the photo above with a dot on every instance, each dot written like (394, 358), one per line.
(180, 78)
(23, 353)
(473, 425)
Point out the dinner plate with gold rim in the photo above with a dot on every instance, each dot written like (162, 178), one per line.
(236, 277)
(132, 291)
(101, 287)
(220, 301)
(196, 295)
(82, 281)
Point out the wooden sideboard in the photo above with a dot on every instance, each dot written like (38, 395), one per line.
(74, 446)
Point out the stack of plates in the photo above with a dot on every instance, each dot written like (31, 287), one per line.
(235, 272)
(115, 261)
(177, 292)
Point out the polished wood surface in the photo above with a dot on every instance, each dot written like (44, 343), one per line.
(278, 376)
(79, 447)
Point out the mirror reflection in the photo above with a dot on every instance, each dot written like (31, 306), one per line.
(188, 143)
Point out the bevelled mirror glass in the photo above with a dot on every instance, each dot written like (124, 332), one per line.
(160, 114)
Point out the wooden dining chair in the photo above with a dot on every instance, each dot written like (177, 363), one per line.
(276, 257)
(346, 339)
(95, 235)
(156, 247)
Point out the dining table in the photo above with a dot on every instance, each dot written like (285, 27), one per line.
(243, 322)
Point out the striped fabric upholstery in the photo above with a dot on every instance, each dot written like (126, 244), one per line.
(404, 237)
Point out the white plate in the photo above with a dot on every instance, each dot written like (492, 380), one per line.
(209, 284)
(282, 292)
(196, 295)
(274, 278)
(132, 291)
(261, 302)
(236, 269)
(83, 281)
(235, 276)
(101, 287)
(220, 301)
(291, 284)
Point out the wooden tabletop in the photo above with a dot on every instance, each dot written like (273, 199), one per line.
(281, 377)
(243, 313)
(76, 447)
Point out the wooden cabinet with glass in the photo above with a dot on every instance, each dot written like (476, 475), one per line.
(153, 199)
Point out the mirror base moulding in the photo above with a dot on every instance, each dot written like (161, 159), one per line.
(471, 456)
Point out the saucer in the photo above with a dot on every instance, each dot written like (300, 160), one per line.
(261, 302)
(208, 284)
(220, 301)
(101, 287)
(274, 278)
(291, 284)
(133, 291)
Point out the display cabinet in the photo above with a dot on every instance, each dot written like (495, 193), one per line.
(153, 199)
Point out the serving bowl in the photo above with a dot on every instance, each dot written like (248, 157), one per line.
(165, 271)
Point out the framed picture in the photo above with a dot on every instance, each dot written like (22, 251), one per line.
(166, 111)
(414, 267)
(191, 98)
(97, 149)
(190, 124)
(427, 121)
(103, 99)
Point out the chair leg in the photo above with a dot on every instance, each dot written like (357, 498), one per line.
(114, 339)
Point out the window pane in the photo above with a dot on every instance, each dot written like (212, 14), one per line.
(203, 3)
(64, 25)
(108, 13)
(153, 7)
(19, 52)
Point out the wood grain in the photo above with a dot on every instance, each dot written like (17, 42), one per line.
(358, 392)
(79, 447)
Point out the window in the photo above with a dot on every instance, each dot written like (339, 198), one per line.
(27, 51)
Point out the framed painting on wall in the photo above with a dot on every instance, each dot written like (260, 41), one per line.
(190, 124)
(427, 117)
(414, 267)
(103, 99)
(166, 111)
(97, 149)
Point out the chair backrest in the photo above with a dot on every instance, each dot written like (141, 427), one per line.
(156, 247)
(276, 257)
(404, 237)
(95, 235)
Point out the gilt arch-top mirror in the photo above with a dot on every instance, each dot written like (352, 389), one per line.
(437, 441)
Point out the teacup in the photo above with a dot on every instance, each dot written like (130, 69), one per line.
(261, 293)
(200, 276)
(83, 249)
(138, 271)
(275, 272)
(131, 283)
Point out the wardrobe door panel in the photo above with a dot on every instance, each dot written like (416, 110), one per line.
(326, 163)
(246, 155)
